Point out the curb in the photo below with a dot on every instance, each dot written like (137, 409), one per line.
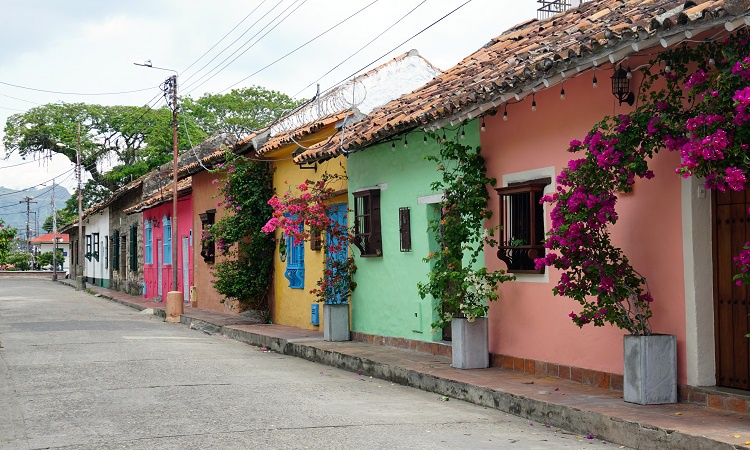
(632, 434)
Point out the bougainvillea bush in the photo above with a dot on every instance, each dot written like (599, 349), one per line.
(303, 211)
(701, 112)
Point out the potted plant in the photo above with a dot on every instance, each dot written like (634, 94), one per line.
(460, 287)
(300, 216)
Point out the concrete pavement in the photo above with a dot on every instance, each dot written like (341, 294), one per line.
(585, 410)
(78, 372)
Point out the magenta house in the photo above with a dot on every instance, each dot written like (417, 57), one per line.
(159, 237)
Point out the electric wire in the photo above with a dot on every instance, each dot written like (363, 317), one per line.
(304, 45)
(196, 86)
(402, 43)
(19, 99)
(219, 41)
(361, 48)
(185, 82)
(75, 93)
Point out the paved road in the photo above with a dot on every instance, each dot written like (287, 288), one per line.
(78, 371)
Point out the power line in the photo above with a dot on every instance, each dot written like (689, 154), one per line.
(20, 99)
(251, 46)
(224, 37)
(404, 42)
(361, 48)
(24, 163)
(74, 93)
(234, 42)
(303, 45)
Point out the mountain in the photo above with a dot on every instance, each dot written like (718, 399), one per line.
(13, 207)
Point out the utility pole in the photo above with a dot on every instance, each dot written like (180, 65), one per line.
(174, 297)
(80, 281)
(28, 201)
(54, 234)
(172, 82)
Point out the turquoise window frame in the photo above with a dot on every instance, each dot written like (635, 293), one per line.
(167, 240)
(149, 243)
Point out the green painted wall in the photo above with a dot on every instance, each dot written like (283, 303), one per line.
(386, 301)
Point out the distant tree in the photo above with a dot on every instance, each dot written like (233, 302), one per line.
(7, 236)
(45, 259)
(130, 141)
(238, 112)
(63, 216)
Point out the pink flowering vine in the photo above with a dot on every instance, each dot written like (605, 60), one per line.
(303, 214)
(702, 113)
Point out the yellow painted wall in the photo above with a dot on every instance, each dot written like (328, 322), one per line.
(293, 306)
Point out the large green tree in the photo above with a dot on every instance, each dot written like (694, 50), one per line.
(238, 112)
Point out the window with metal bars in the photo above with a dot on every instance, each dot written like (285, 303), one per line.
(367, 233)
(522, 225)
(404, 228)
(106, 252)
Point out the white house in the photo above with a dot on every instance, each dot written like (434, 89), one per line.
(46, 243)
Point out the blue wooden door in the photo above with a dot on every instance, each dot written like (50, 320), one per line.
(337, 252)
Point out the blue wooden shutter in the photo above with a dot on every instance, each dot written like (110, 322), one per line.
(295, 263)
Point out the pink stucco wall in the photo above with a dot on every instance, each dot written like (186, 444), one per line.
(528, 321)
(185, 229)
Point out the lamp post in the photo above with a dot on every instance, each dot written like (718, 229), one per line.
(175, 296)
(80, 281)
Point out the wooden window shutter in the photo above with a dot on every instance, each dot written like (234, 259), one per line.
(133, 248)
(404, 228)
(367, 231)
(116, 250)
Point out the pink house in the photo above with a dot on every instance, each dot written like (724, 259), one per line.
(159, 237)
(532, 90)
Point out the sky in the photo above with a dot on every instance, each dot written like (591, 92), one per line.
(55, 51)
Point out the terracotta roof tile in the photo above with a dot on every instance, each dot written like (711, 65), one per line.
(527, 54)
(162, 196)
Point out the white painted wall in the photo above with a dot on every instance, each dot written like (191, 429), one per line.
(97, 223)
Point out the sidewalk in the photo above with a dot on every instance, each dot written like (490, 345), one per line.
(584, 410)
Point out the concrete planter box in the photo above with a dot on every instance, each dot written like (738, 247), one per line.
(650, 365)
(470, 343)
(336, 322)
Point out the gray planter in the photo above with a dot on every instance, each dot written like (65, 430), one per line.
(336, 322)
(650, 367)
(470, 343)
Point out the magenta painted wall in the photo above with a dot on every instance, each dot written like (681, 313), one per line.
(528, 321)
(185, 225)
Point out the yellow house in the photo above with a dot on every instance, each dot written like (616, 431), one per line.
(297, 270)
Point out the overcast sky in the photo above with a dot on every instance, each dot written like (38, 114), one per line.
(89, 46)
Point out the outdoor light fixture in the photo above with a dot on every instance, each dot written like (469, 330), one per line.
(621, 86)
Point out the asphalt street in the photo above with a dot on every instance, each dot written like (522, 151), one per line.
(81, 372)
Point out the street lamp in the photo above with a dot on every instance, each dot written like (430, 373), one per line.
(80, 281)
(174, 297)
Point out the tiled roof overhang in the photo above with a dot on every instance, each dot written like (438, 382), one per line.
(532, 56)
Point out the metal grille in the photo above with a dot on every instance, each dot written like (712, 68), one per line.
(549, 8)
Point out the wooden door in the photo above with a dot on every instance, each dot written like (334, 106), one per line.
(731, 231)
